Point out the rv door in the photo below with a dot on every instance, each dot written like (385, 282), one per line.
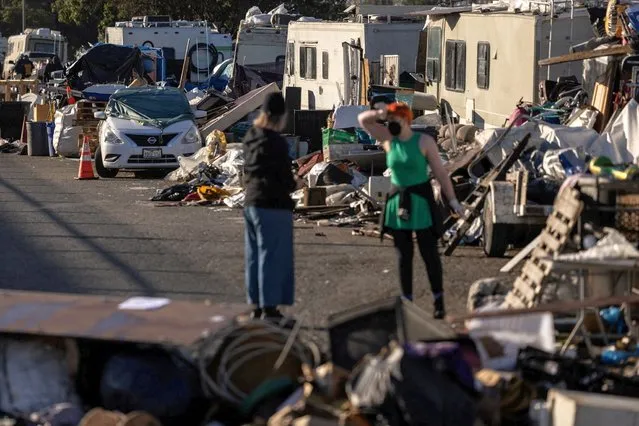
(389, 70)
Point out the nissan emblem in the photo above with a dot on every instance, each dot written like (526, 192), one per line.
(152, 140)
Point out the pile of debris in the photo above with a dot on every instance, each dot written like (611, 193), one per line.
(15, 147)
(542, 359)
(211, 176)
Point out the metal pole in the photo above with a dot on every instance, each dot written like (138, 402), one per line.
(552, 15)
(24, 21)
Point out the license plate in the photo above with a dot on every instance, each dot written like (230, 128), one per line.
(151, 153)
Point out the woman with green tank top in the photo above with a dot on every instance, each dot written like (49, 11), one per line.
(410, 156)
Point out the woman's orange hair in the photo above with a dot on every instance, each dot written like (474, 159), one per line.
(401, 110)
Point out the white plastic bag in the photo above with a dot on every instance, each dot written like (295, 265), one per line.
(65, 135)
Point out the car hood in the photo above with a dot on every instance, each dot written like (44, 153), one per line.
(122, 125)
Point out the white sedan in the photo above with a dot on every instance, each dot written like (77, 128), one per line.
(146, 128)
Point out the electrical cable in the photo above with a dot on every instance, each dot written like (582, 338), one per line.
(244, 344)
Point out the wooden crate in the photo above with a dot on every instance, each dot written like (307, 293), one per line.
(86, 109)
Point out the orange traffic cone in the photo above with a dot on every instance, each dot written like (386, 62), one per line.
(86, 166)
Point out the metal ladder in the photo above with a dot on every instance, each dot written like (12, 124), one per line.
(529, 285)
(475, 201)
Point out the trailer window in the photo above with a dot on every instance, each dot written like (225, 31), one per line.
(308, 62)
(433, 54)
(456, 65)
(483, 65)
(291, 58)
(325, 65)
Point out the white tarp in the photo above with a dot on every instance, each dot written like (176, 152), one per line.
(622, 141)
(588, 140)
(65, 135)
(346, 116)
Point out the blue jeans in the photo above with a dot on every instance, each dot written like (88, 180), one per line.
(269, 273)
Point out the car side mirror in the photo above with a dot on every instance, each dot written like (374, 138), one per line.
(100, 115)
(199, 114)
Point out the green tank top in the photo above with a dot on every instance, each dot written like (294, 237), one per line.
(409, 167)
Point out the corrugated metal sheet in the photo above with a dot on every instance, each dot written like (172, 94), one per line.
(180, 323)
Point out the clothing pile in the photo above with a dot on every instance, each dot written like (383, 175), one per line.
(212, 176)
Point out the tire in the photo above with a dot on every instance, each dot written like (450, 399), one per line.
(102, 171)
(495, 235)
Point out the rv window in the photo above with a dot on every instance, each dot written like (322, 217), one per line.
(433, 54)
(308, 62)
(483, 65)
(456, 65)
(291, 58)
(325, 65)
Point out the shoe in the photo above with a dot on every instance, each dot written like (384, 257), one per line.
(439, 312)
(271, 314)
(257, 313)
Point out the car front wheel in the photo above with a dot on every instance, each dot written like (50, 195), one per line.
(103, 172)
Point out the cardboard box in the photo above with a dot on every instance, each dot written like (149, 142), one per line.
(41, 113)
(378, 187)
(570, 408)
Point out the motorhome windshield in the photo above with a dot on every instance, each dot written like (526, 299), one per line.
(41, 46)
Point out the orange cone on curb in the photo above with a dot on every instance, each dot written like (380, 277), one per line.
(86, 166)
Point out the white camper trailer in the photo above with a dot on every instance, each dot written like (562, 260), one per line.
(208, 47)
(38, 44)
(484, 63)
(260, 44)
(325, 59)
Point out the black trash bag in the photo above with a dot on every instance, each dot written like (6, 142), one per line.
(333, 175)
(416, 386)
(174, 193)
(159, 382)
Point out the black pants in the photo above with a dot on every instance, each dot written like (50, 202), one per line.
(427, 243)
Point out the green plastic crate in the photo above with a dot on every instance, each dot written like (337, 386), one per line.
(336, 136)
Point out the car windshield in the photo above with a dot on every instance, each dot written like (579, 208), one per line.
(160, 107)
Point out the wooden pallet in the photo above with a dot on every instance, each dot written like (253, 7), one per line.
(86, 109)
(528, 287)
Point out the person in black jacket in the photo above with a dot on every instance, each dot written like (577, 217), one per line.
(268, 212)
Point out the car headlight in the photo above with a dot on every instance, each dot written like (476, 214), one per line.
(110, 137)
(192, 136)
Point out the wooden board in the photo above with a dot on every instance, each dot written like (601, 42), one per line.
(602, 96)
(590, 54)
(180, 323)
(240, 108)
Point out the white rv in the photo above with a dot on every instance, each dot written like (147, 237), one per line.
(38, 44)
(260, 44)
(484, 63)
(326, 59)
(208, 47)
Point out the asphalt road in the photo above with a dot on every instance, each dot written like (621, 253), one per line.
(104, 237)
